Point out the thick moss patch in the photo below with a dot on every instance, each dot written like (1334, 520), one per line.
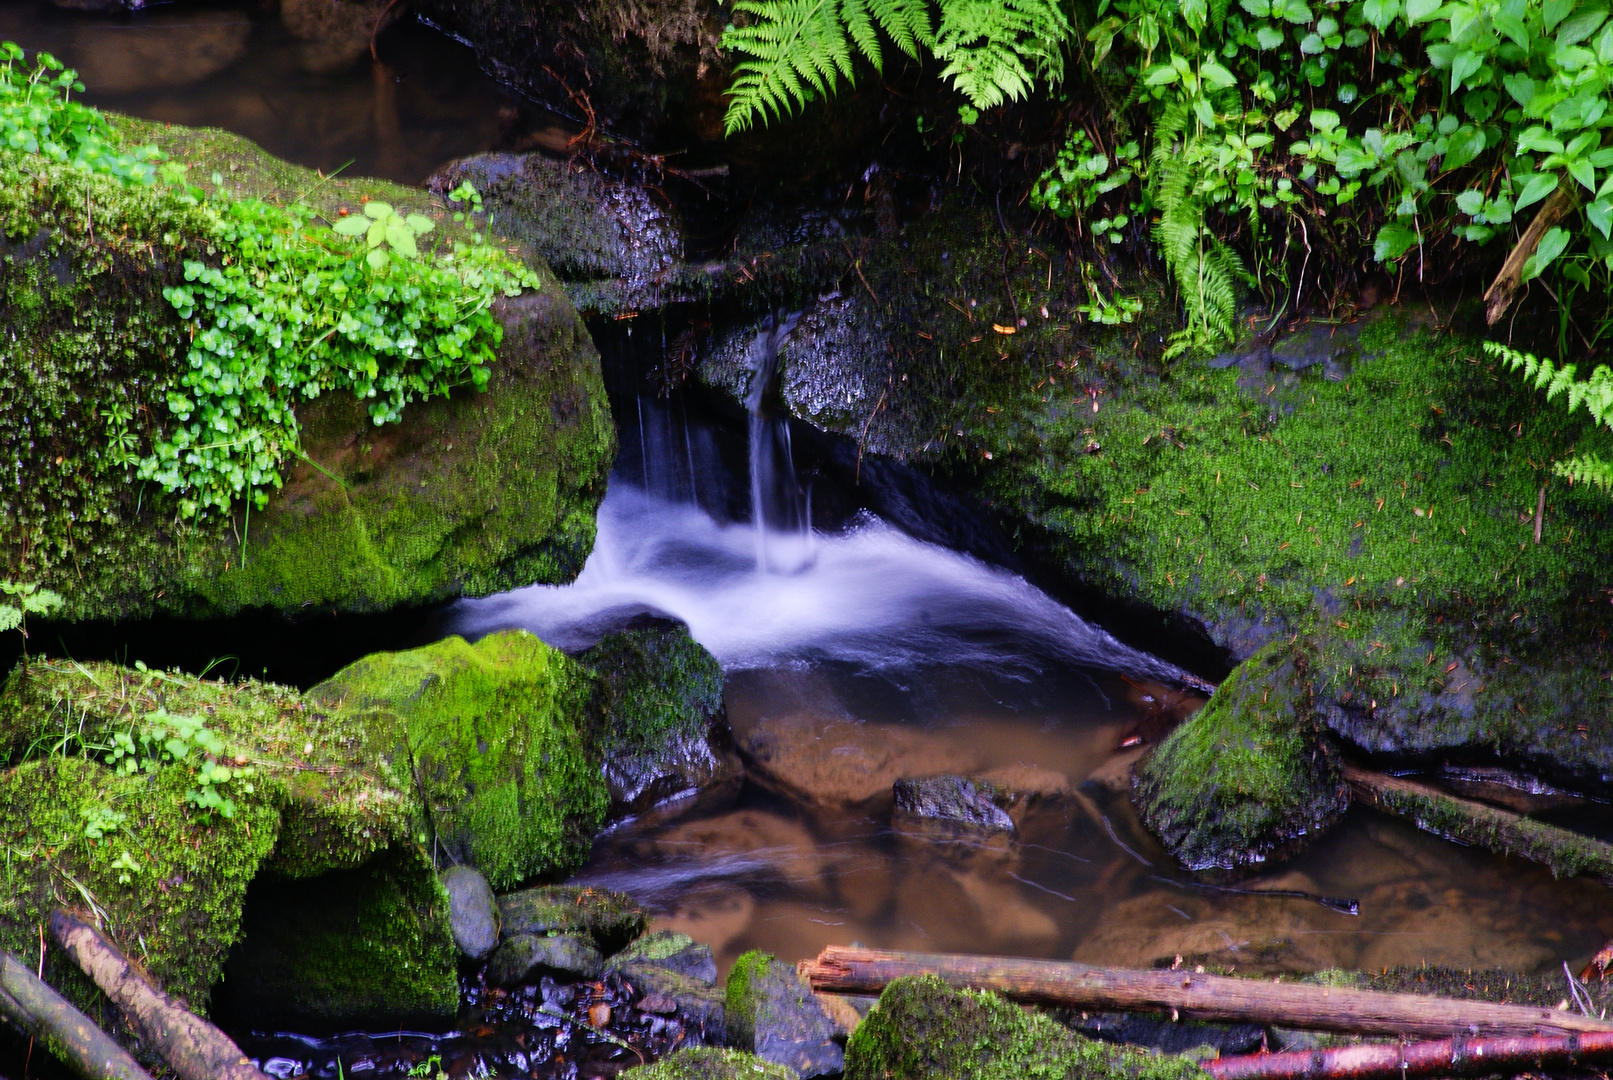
(710, 1063)
(470, 494)
(1248, 776)
(924, 1030)
(487, 735)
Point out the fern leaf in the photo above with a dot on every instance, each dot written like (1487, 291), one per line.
(907, 22)
(795, 48)
(1587, 469)
(860, 25)
(994, 50)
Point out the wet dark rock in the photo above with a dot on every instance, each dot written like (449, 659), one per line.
(923, 1029)
(472, 912)
(699, 1005)
(659, 722)
(711, 1063)
(611, 918)
(525, 958)
(773, 1013)
(584, 225)
(956, 800)
(673, 951)
(1164, 1034)
(1249, 777)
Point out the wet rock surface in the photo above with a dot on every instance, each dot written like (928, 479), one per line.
(612, 919)
(696, 1003)
(955, 800)
(673, 951)
(773, 1014)
(472, 912)
(827, 760)
(525, 958)
(713, 1064)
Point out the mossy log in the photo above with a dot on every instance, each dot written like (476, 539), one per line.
(1201, 997)
(1443, 1057)
(1566, 853)
(28, 1002)
(193, 1048)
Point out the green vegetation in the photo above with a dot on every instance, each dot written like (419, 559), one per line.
(1595, 393)
(795, 50)
(1248, 777)
(711, 1063)
(924, 1030)
(24, 598)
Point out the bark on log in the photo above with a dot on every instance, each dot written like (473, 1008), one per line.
(65, 1032)
(1502, 831)
(1200, 997)
(1498, 297)
(1445, 1057)
(193, 1048)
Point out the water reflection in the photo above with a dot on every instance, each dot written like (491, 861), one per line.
(300, 83)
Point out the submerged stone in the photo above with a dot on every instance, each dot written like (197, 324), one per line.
(612, 918)
(673, 951)
(701, 1005)
(525, 958)
(925, 1030)
(472, 912)
(468, 494)
(1248, 777)
(711, 1063)
(773, 1014)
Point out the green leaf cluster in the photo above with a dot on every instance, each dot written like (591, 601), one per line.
(793, 51)
(22, 599)
(289, 309)
(1400, 128)
(162, 738)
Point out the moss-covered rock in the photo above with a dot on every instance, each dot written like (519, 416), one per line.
(658, 722)
(1249, 776)
(469, 494)
(313, 865)
(488, 735)
(612, 918)
(773, 1013)
(924, 1030)
(711, 1063)
(525, 958)
(672, 951)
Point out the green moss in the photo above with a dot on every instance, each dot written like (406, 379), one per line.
(1247, 777)
(487, 734)
(613, 919)
(741, 996)
(923, 1029)
(468, 495)
(710, 1063)
(652, 947)
(368, 945)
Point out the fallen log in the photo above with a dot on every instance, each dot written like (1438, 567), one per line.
(1566, 853)
(1192, 995)
(66, 1033)
(1443, 1057)
(193, 1048)
(1498, 297)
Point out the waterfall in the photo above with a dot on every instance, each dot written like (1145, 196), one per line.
(779, 516)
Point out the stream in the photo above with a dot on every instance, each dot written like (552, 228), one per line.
(855, 653)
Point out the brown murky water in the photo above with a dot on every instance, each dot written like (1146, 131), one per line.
(298, 81)
(788, 871)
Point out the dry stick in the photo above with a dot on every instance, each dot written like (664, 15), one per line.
(1566, 853)
(1444, 1057)
(1202, 997)
(1498, 297)
(70, 1035)
(193, 1048)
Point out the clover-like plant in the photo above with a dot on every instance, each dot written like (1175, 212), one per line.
(384, 229)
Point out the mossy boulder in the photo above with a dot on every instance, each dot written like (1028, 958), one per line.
(711, 1063)
(469, 494)
(924, 1030)
(772, 1013)
(659, 723)
(1249, 776)
(488, 735)
(612, 919)
(672, 951)
(314, 874)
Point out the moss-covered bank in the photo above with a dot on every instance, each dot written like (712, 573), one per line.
(469, 494)
(924, 1030)
(325, 847)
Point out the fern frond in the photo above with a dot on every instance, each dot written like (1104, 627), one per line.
(1586, 469)
(907, 22)
(1594, 393)
(795, 47)
(995, 50)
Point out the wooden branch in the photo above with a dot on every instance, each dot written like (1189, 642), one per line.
(1201, 997)
(1566, 853)
(193, 1048)
(1445, 1057)
(1498, 297)
(68, 1034)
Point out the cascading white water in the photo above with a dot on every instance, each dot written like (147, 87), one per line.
(777, 505)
